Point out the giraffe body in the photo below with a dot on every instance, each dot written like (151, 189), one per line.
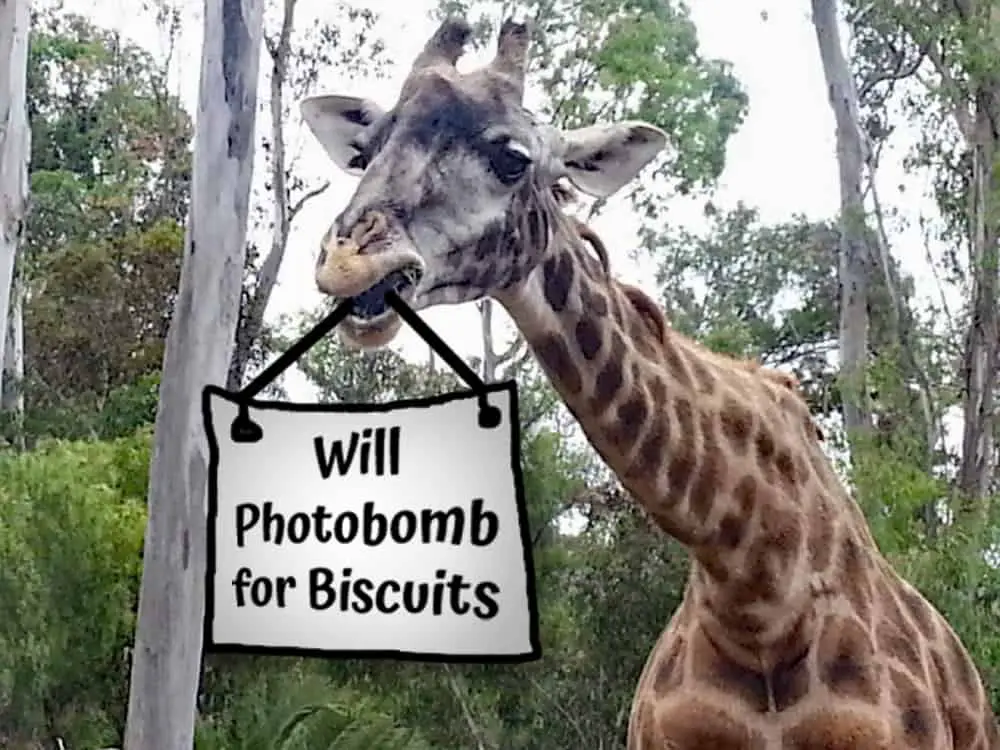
(794, 631)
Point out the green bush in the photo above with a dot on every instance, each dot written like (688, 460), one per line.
(72, 518)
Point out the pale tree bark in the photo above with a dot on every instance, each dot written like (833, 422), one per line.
(855, 255)
(496, 365)
(166, 658)
(980, 364)
(284, 212)
(12, 395)
(15, 146)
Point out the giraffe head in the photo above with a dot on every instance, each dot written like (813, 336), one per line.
(457, 196)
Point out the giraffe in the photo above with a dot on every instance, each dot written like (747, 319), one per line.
(793, 631)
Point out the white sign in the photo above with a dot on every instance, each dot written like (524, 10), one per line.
(379, 530)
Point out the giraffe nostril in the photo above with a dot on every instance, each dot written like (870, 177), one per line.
(370, 229)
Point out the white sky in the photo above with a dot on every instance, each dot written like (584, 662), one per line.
(781, 161)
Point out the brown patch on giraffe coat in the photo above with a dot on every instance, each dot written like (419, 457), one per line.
(684, 460)
(609, 380)
(647, 461)
(552, 351)
(588, 338)
(669, 668)
(676, 364)
(711, 667)
(791, 674)
(919, 610)
(905, 649)
(703, 377)
(697, 723)
(705, 489)
(961, 665)
(855, 566)
(821, 534)
(737, 424)
(558, 278)
(847, 660)
(630, 418)
(594, 301)
(830, 729)
(916, 714)
(775, 547)
(965, 728)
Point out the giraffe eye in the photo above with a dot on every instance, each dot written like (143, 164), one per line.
(509, 160)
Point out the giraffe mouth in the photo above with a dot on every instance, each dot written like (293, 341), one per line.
(370, 307)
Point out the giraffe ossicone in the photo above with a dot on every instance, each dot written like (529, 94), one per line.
(794, 631)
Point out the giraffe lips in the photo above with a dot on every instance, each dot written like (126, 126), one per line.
(370, 306)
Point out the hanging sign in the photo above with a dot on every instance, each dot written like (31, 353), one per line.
(369, 530)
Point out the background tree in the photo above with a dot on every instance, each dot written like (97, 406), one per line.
(166, 660)
(15, 144)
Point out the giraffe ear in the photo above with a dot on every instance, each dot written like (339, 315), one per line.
(337, 121)
(602, 159)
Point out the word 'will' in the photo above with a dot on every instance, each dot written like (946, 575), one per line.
(373, 448)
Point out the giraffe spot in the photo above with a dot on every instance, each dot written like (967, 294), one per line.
(682, 464)
(854, 565)
(594, 301)
(710, 666)
(742, 626)
(831, 729)
(631, 418)
(737, 424)
(745, 494)
(675, 363)
(895, 643)
(919, 610)
(670, 669)
(847, 661)
(647, 462)
(703, 377)
(915, 713)
(786, 466)
(964, 727)
(609, 380)
(558, 276)
(820, 537)
(658, 392)
(962, 665)
(699, 724)
(790, 676)
(764, 444)
(588, 338)
(706, 484)
(732, 530)
(554, 355)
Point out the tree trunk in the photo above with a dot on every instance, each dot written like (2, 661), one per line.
(980, 365)
(168, 644)
(855, 255)
(15, 145)
(12, 395)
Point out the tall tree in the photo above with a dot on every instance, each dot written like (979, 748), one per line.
(940, 63)
(855, 254)
(166, 660)
(296, 52)
(15, 148)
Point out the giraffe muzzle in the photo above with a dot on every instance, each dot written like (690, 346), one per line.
(345, 272)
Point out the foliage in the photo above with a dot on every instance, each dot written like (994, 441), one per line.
(72, 517)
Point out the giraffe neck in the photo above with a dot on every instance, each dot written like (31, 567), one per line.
(721, 457)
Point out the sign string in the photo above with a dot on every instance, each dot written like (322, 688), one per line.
(245, 430)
